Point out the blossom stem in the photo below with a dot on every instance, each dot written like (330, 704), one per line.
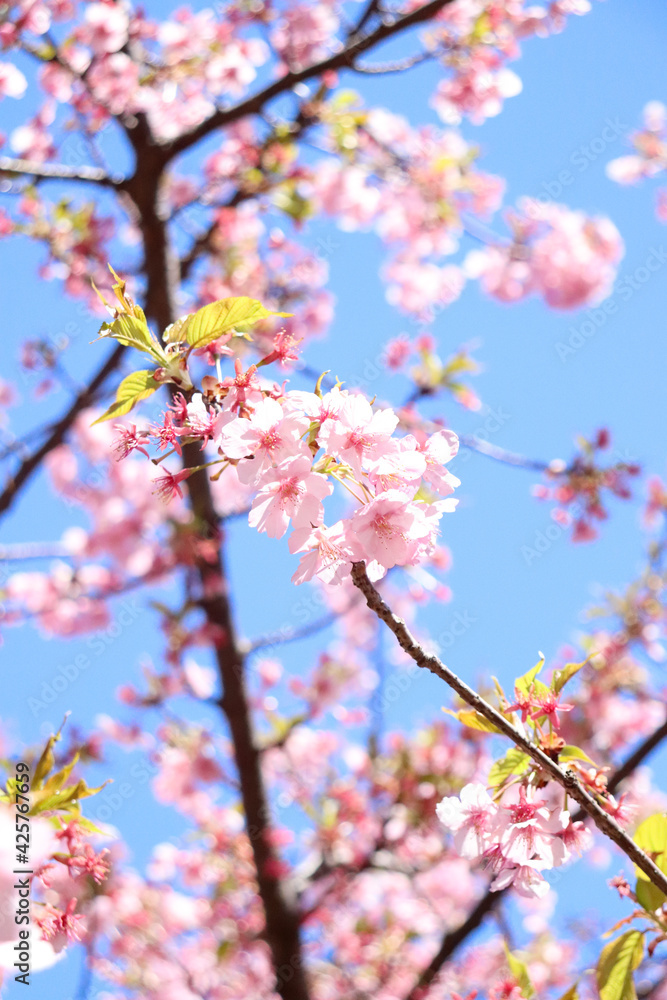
(349, 489)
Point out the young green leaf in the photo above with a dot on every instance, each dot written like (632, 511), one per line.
(515, 761)
(45, 763)
(133, 388)
(218, 318)
(132, 331)
(469, 717)
(573, 753)
(520, 972)
(616, 964)
(561, 677)
(651, 836)
(176, 333)
(648, 895)
(65, 799)
(523, 684)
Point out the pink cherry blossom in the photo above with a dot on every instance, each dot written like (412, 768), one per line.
(358, 434)
(12, 81)
(168, 486)
(304, 34)
(105, 28)
(269, 435)
(329, 552)
(533, 832)
(473, 817)
(525, 878)
(289, 492)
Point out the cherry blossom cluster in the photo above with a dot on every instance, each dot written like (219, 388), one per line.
(516, 839)
(615, 704)
(432, 374)
(565, 257)
(650, 156)
(580, 486)
(123, 546)
(116, 60)
(252, 259)
(203, 887)
(399, 181)
(290, 447)
(482, 972)
(68, 871)
(523, 828)
(413, 185)
(354, 824)
(477, 40)
(188, 62)
(75, 237)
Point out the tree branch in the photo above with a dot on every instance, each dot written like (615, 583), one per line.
(501, 454)
(59, 430)
(59, 172)
(280, 638)
(637, 757)
(300, 124)
(566, 778)
(372, 8)
(341, 60)
(452, 940)
(282, 931)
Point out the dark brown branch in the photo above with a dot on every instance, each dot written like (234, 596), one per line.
(282, 931)
(452, 940)
(566, 778)
(637, 757)
(345, 59)
(372, 8)
(59, 430)
(146, 178)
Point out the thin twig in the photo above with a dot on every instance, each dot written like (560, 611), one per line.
(345, 59)
(482, 447)
(280, 638)
(566, 778)
(59, 431)
(452, 940)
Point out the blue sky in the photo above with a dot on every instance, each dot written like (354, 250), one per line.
(602, 69)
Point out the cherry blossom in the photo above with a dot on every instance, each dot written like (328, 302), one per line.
(12, 81)
(289, 492)
(473, 816)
